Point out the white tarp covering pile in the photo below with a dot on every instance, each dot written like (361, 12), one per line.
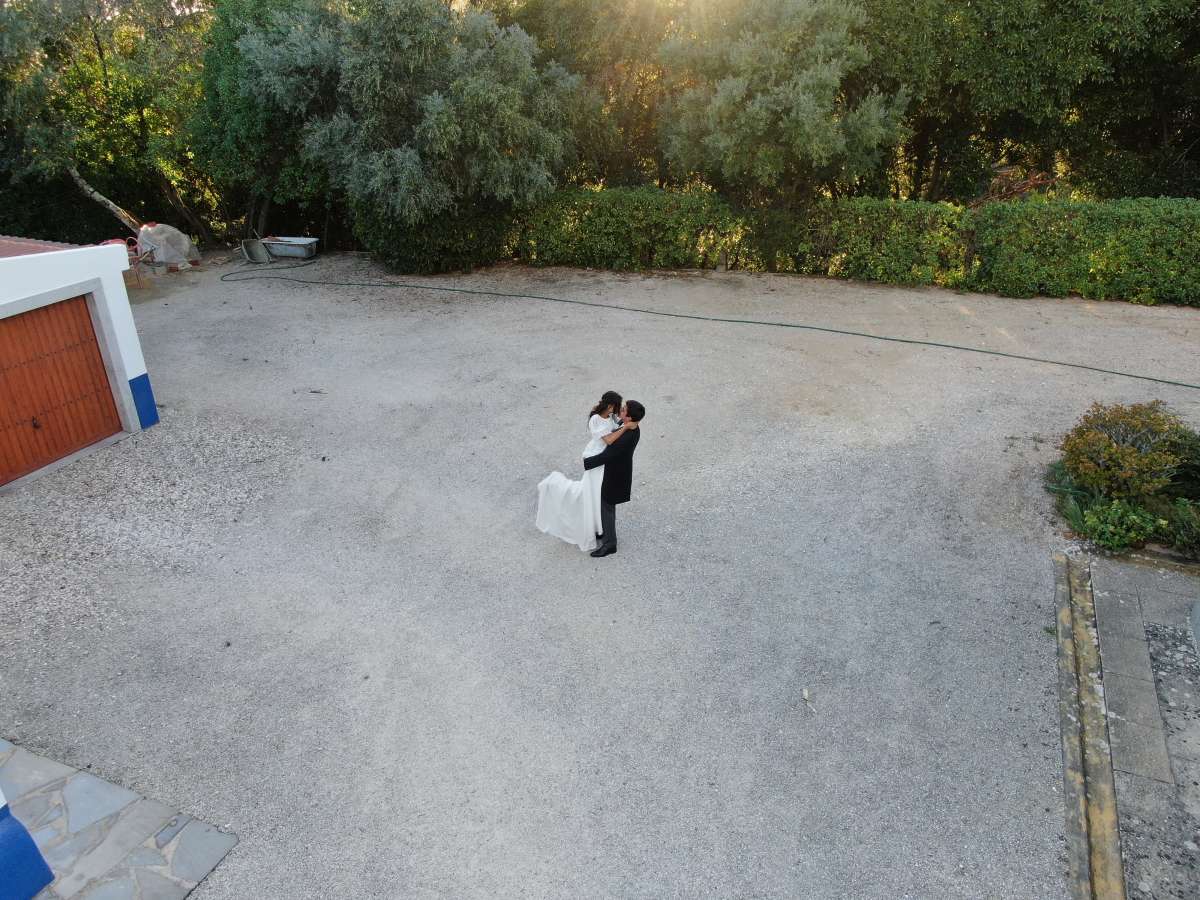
(171, 247)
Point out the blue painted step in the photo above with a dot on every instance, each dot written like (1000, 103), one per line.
(23, 872)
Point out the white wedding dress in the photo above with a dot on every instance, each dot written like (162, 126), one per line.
(571, 509)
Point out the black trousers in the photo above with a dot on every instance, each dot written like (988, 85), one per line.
(608, 519)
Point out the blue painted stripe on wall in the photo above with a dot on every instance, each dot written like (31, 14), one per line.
(143, 399)
(25, 872)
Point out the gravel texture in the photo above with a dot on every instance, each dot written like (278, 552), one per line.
(1160, 825)
(312, 605)
(158, 500)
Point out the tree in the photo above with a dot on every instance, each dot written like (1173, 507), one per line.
(1135, 131)
(249, 144)
(1001, 81)
(613, 46)
(417, 111)
(766, 109)
(101, 91)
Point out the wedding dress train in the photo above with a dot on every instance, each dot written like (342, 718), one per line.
(569, 509)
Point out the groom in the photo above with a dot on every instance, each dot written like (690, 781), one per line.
(617, 459)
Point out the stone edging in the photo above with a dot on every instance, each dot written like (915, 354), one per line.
(1093, 842)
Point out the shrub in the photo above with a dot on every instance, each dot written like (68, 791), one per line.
(1143, 250)
(432, 119)
(874, 240)
(1117, 525)
(1185, 445)
(894, 242)
(1122, 451)
(1182, 529)
(445, 244)
(1070, 498)
(627, 228)
(1147, 251)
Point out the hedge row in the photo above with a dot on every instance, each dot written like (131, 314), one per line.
(1141, 250)
(628, 228)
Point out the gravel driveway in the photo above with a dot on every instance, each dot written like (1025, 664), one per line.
(311, 605)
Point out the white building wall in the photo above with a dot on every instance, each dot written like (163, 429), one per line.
(39, 279)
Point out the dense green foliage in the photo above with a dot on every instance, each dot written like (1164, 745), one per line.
(1142, 250)
(1117, 483)
(1182, 531)
(627, 228)
(766, 111)
(613, 45)
(909, 242)
(418, 113)
(446, 244)
(106, 90)
(1147, 251)
(411, 121)
(1184, 445)
(1117, 524)
(1123, 451)
(250, 144)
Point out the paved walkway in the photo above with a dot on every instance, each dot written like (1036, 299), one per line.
(1152, 689)
(104, 842)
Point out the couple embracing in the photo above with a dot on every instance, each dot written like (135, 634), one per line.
(584, 512)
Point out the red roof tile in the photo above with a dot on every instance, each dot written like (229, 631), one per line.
(20, 246)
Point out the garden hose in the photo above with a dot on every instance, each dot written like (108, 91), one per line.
(234, 277)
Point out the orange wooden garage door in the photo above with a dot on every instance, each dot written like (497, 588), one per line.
(54, 392)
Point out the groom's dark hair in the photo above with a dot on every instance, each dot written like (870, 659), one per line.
(636, 410)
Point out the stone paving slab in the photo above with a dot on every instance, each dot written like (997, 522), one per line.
(1131, 699)
(1125, 656)
(1151, 674)
(1139, 578)
(1119, 614)
(102, 841)
(1140, 750)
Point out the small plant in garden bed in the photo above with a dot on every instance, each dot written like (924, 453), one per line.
(1118, 524)
(1130, 474)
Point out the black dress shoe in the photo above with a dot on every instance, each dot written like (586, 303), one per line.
(603, 551)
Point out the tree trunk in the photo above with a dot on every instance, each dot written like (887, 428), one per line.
(251, 213)
(91, 193)
(920, 155)
(264, 213)
(934, 192)
(194, 222)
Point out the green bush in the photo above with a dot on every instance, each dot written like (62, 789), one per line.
(1117, 525)
(1141, 250)
(1146, 251)
(1185, 445)
(1182, 529)
(1070, 498)
(1126, 477)
(627, 228)
(1122, 451)
(896, 242)
(871, 240)
(446, 244)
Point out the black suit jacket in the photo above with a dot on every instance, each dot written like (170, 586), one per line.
(617, 459)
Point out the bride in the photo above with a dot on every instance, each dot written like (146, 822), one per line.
(571, 509)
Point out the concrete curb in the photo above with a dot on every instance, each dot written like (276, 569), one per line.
(1093, 842)
(1170, 561)
(1074, 793)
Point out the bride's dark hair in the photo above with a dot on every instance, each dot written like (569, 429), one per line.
(611, 399)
